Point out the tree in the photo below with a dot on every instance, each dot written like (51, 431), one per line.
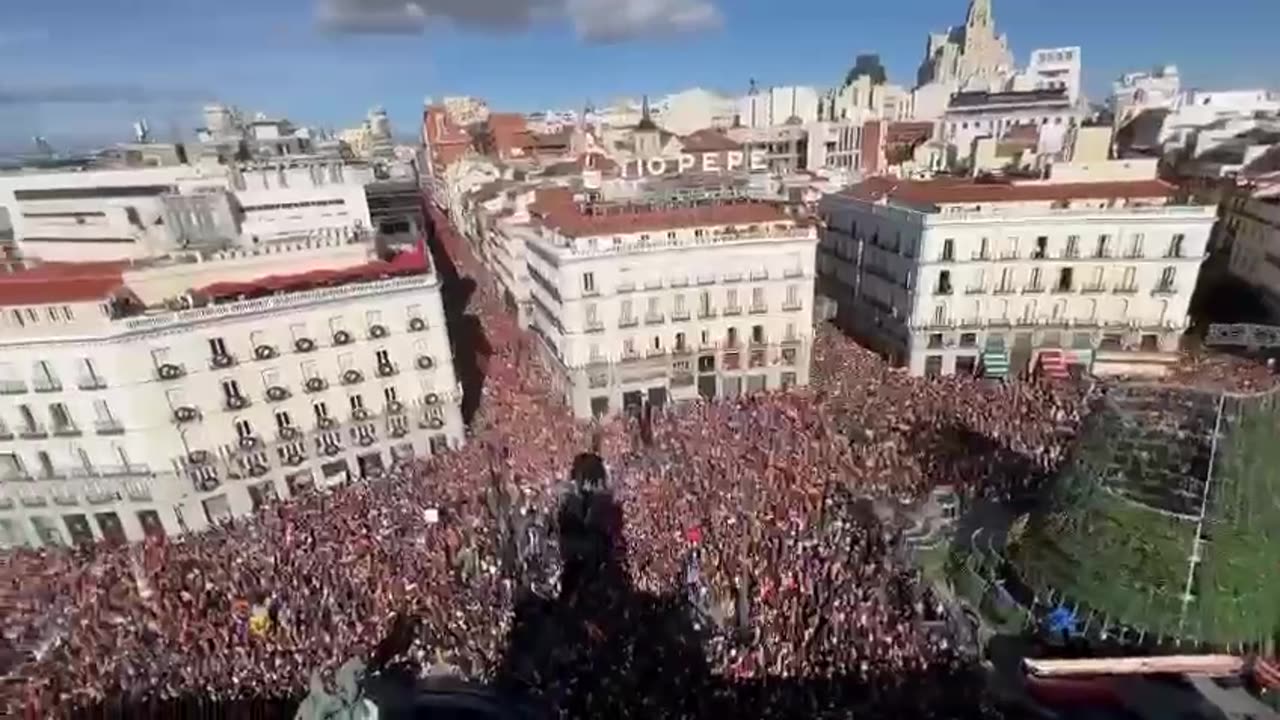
(868, 64)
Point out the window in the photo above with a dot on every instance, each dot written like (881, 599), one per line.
(757, 297)
(282, 419)
(757, 334)
(629, 347)
(382, 358)
(102, 412)
(1103, 248)
(1175, 246)
(1127, 282)
(1011, 247)
(654, 307)
(217, 346)
(593, 352)
(657, 343)
(671, 234)
(731, 297)
(591, 313)
(940, 314)
(1135, 246)
(243, 428)
(321, 410)
(948, 250)
(1006, 280)
(389, 394)
(60, 416)
(346, 361)
(793, 296)
(704, 303)
(17, 317)
(627, 310)
(984, 249)
(1035, 279)
(944, 282)
(1042, 246)
(1073, 246)
(356, 402)
(230, 389)
(679, 304)
(1096, 281)
(46, 464)
(680, 341)
(589, 283)
(53, 313)
(1064, 280)
(373, 317)
(336, 324)
(1167, 277)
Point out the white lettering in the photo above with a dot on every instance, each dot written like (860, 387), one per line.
(656, 166)
(758, 163)
(733, 160)
(710, 163)
(686, 162)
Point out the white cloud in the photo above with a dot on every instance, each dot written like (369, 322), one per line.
(594, 20)
(612, 20)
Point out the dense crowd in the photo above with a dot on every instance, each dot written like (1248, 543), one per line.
(759, 514)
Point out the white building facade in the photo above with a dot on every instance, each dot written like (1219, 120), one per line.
(131, 406)
(973, 115)
(951, 278)
(1052, 69)
(656, 306)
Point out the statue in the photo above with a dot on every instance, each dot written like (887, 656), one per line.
(347, 704)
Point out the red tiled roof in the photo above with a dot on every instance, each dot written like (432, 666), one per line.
(942, 192)
(60, 282)
(708, 140)
(408, 262)
(569, 219)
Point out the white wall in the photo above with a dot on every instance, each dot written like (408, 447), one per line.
(126, 354)
(285, 202)
(773, 106)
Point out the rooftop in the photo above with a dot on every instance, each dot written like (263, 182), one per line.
(708, 140)
(56, 283)
(982, 98)
(62, 283)
(578, 221)
(932, 193)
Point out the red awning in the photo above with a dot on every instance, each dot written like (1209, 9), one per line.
(409, 262)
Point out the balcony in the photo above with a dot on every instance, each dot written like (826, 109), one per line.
(1003, 290)
(593, 327)
(91, 382)
(975, 290)
(941, 289)
(625, 287)
(679, 315)
(706, 313)
(1093, 288)
(981, 256)
(235, 402)
(47, 384)
(12, 387)
(654, 319)
(6, 433)
(33, 431)
(170, 371)
(66, 429)
(108, 426)
(681, 349)
(759, 309)
(1164, 289)
(628, 322)
(731, 310)
(222, 362)
(1032, 289)
(1126, 289)
(792, 306)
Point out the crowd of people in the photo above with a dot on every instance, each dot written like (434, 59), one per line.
(751, 528)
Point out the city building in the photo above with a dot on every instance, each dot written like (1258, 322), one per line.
(695, 109)
(968, 57)
(1051, 69)
(954, 276)
(372, 138)
(95, 214)
(666, 298)
(1136, 93)
(113, 214)
(160, 396)
(774, 106)
(1252, 226)
(979, 114)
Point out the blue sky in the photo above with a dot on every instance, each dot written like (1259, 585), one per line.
(81, 70)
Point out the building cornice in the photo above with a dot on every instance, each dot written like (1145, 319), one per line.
(172, 323)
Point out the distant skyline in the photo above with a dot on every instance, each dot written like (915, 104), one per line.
(80, 71)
